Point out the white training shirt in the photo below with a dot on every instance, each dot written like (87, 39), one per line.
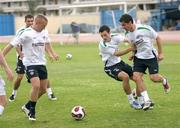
(143, 37)
(33, 43)
(19, 32)
(107, 50)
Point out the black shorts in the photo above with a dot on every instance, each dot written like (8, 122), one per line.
(20, 68)
(114, 70)
(36, 71)
(140, 65)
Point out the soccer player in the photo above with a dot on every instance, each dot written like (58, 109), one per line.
(20, 69)
(146, 56)
(113, 65)
(9, 74)
(35, 42)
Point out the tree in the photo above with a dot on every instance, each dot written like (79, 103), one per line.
(32, 4)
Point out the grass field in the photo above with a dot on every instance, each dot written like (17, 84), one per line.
(82, 81)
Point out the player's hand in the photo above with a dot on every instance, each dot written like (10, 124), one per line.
(51, 58)
(21, 55)
(131, 58)
(56, 57)
(10, 75)
(160, 57)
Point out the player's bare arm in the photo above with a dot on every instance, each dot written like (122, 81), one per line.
(18, 50)
(51, 53)
(127, 40)
(133, 52)
(7, 49)
(6, 68)
(123, 52)
(159, 48)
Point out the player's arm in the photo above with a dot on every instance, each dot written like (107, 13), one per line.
(51, 52)
(5, 66)
(127, 40)
(18, 50)
(123, 52)
(159, 48)
(7, 49)
(133, 52)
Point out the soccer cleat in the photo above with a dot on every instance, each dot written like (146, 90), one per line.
(25, 110)
(167, 87)
(52, 97)
(147, 105)
(32, 115)
(11, 98)
(151, 106)
(136, 105)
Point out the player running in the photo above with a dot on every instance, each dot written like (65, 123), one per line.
(35, 42)
(146, 56)
(20, 68)
(114, 66)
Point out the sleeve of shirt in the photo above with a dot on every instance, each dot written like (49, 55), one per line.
(18, 40)
(119, 39)
(107, 49)
(154, 34)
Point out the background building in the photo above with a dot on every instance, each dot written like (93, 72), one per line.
(90, 14)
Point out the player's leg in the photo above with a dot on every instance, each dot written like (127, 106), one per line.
(43, 87)
(20, 70)
(127, 89)
(17, 84)
(161, 79)
(3, 103)
(50, 93)
(155, 77)
(33, 75)
(139, 69)
(3, 100)
(116, 72)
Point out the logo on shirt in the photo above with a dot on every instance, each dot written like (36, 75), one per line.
(38, 44)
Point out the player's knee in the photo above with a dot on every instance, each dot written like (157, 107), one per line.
(154, 78)
(20, 77)
(137, 78)
(124, 77)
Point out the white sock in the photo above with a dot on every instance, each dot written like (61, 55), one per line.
(49, 91)
(140, 99)
(130, 98)
(164, 81)
(145, 96)
(1, 110)
(14, 92)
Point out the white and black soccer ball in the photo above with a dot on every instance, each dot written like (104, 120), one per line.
(68, 56)
(78, 112)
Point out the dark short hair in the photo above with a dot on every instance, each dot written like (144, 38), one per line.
(126, 18)
(29, 16)
(104, 28)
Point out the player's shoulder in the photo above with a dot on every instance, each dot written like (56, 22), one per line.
(102, 44)
(143, 27)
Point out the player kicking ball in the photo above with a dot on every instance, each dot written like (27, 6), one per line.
(114, 66)
(146, 56)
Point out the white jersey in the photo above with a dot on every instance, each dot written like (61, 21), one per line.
(19, 32)
(143, 37)
(33, 43)
(107, 50)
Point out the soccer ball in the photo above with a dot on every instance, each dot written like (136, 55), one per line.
(78, 112)
(68, 56)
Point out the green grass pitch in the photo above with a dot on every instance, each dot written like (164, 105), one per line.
(82, 81)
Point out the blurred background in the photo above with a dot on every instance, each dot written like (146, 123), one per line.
(162, 15)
